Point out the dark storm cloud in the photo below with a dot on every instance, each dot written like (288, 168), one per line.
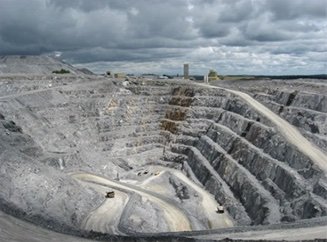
(282, 9)
(137, 55)
(211, 34)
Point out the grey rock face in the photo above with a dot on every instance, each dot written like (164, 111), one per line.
(36, 65)
(37, 192)
(306, 109)
(265, 174)
(114, 129)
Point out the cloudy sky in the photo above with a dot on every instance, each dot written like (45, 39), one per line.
(158, 36)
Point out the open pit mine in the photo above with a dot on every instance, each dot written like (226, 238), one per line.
(86, 157)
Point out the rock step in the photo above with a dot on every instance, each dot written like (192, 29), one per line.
(260, 164)
(250, 156)
(280, 172)
(107, 125)
(261, 137)
(234, 121)
(299, 197)
(174, 157)
(242, 182)
(318, 140)
(215, 111)
(307, 119)
(130, 131)
(277, 147)
(267, 139)
(123, 143)
(213, 183)
(151, 91)
(235, 105)
(114, 136)
(135, 150)
(313, 101)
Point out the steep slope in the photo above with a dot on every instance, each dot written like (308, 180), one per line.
(37, 65)
(35, 191)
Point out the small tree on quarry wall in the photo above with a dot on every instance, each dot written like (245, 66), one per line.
(61, 71)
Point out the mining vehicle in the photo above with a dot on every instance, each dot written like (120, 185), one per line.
(220, 209)
(110, 194)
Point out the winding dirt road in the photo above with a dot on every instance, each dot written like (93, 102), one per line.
(175, 218)
(209, 204)
(106, 217)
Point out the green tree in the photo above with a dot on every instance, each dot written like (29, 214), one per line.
(62, 71)
(213, 76)
(212, 73)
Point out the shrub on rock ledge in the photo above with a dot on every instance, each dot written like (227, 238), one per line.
(61, 71)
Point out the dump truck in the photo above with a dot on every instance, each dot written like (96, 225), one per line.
(110, 194)
(220, 209)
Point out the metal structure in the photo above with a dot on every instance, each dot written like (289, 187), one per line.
(186, 71)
